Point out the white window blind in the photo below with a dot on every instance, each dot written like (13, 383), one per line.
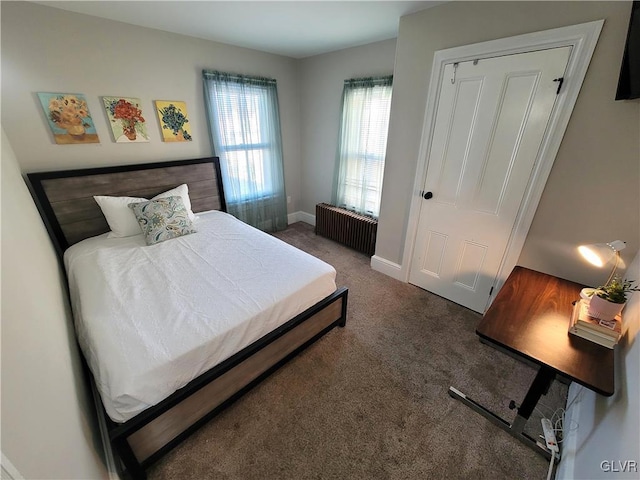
(245, 132)
(362, 144)
(244, 140)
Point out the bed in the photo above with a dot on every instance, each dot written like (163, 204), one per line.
(174, 332)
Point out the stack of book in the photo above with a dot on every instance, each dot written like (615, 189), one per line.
(603, 332)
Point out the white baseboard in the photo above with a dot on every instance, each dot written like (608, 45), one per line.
(9, 471)
(112, 468)
(387, 267)
(566, 466)
(379, 264)
(301, 217)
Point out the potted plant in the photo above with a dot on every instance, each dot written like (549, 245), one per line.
(608, 300)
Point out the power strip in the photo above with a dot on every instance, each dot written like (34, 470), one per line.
(549, 435)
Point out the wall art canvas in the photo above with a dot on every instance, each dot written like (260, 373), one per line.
(69, 118)
(126, 119)
(173, 120)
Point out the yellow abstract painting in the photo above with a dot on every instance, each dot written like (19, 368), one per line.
(173, 121)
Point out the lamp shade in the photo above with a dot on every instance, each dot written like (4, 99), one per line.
(599, 254)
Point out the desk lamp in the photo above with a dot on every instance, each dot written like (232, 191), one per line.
(599, 254)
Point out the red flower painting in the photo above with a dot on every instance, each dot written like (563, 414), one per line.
(126, 118)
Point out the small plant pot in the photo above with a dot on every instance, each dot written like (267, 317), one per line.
(586, 294)
(604, 309)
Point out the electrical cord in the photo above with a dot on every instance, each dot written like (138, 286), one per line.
(578, 395)
(558, 421)
(553, 458)
(558, 417)
(555, 429)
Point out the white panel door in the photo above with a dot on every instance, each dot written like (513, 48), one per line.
(491, 119)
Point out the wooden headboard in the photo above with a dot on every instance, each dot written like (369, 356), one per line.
(65, 198)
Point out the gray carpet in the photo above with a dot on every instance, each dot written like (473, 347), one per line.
(370, 401)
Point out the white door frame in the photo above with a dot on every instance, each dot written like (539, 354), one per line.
(583, 39)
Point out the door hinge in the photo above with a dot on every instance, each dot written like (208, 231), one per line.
(560, 81)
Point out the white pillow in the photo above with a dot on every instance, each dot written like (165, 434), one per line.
(121, 219)
(179, 191)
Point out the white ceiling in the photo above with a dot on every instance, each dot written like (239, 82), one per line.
(295, 29)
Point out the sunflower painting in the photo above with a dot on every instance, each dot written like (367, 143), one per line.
(69, 118)
(173, 120)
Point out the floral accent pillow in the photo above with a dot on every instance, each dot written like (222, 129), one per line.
(123, 222)
(162, 219)
(180, 191)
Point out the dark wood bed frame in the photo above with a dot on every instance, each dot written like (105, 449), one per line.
(65, 200)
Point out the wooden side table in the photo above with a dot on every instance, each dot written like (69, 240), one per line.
(530, 319)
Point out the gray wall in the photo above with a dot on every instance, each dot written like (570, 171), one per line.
(606, 429)
(592, 192)
(48, 425)
(50, 50)
(90, 55)
(321, 81)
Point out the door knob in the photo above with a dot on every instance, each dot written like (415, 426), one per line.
(427, 195)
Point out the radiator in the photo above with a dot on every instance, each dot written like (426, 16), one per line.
(349, 228)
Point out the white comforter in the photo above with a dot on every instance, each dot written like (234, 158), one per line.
(151, 318)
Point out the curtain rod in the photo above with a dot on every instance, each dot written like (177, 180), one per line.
(237, 77)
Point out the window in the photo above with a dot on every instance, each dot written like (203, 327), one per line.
(245, 143)
(245, 132)
(362, 144)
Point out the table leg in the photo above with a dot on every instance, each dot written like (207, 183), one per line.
(539, 387)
